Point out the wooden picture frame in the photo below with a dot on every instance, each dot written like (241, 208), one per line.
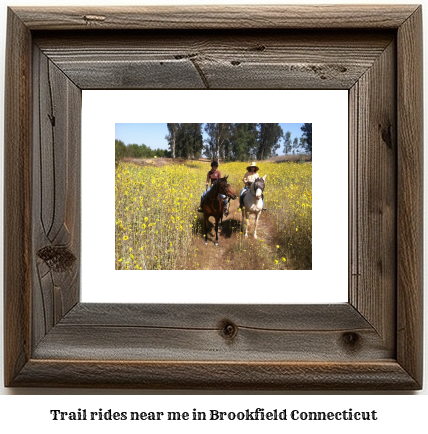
(372, 342)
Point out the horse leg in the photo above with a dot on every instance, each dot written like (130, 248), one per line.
(255, 225)
(216, 231)
(206, 229)
(243, 219)
(247, 218)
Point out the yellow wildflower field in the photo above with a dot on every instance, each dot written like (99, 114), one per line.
(158, 227)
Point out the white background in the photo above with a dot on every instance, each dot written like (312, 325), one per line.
(327, 282)
(398, 412)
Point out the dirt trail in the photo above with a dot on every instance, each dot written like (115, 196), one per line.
(235, 252)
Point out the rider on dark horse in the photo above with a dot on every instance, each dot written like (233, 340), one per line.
(213, 175)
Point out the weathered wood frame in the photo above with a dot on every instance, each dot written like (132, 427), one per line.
(372, 342)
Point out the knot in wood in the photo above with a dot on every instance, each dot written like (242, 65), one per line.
(94, 18)
(351, 340)
(58, 259)
(227, 329)
(386, 134)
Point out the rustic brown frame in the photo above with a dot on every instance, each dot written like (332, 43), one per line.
(372, 342)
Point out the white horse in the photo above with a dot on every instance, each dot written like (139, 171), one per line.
(253, 204)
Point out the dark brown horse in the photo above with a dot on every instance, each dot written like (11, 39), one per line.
(214, 206)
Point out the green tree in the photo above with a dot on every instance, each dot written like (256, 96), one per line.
(181, 142)
(295, 145)
(162, 153)
(133, 151)
(189, 141)
(218, 135)
(209, 149)
(288, 145)
(196, 140)
(243, 141)
(268, 140)
(307, 137)
(171, 137)
(119, 151)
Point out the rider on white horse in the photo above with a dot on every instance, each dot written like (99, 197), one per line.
(249, 177)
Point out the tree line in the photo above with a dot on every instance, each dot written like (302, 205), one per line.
(137, 151)
(226, 142)
(291, 145)
(235, 142)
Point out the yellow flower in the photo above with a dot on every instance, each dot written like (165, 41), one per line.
(289, 192)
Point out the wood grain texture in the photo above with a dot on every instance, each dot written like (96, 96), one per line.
(216, 59)
(372, 342)
(217, 17)
(209, 316)
(410, 196)
(198, 332)
(373, 161)
(17, 198)
(385, 375)
(56, 194)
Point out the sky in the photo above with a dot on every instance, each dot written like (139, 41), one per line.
(153, 135)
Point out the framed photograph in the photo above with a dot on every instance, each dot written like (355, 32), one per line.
(372, 341)
(240, 258)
